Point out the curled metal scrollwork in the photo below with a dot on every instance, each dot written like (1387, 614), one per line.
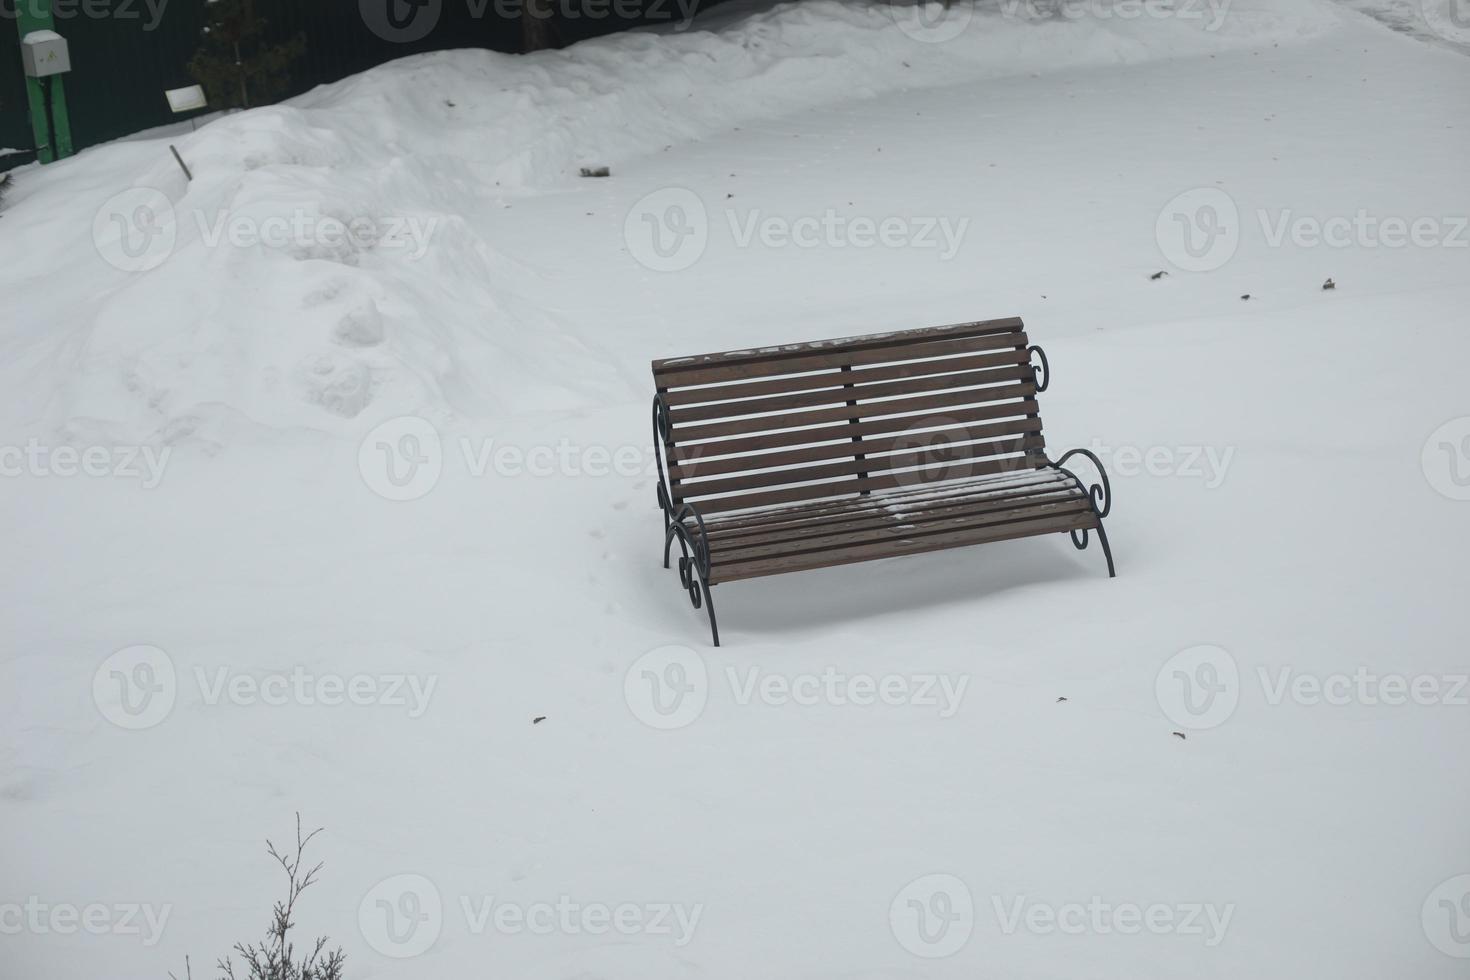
(662, 436)
(687, 527)
(693, 540)
(683, 524)
(1043, 376)
(1101, 494)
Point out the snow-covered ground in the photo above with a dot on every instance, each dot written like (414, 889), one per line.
(407, 468)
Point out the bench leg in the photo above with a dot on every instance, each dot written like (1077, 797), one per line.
(709, 605)
(1102, 537)
(692, 574)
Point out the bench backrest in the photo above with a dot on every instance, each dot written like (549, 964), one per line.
(778, 425)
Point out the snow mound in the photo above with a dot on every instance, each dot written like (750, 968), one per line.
(328, 263)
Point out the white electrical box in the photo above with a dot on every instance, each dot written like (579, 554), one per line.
(44, 53)
(186, 99)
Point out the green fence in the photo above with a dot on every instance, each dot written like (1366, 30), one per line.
(125, 53)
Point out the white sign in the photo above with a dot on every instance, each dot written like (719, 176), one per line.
(186, 99)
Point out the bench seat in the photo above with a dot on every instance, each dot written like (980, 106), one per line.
(896, 522)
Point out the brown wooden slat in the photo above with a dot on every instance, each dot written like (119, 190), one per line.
(853, 358)
(864, 393)
(958, 456)
(911, 497)
(836, 378)
(896, 530)
(837, 450)
(885, 481)
(911, 546)
(841, 413)
(859, 342)
(732, 548)
(693, 451)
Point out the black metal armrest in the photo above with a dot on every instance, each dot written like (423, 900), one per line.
(1101, 494)
(698, 542)
(1041, 378)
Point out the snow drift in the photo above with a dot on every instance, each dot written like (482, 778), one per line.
(331, 260)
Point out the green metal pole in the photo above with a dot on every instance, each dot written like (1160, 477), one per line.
(52, 131)
(60, 120)
(40, 126)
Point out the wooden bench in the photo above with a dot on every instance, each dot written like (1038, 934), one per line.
(788, 458)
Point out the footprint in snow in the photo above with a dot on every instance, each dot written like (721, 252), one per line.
(363, 327)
